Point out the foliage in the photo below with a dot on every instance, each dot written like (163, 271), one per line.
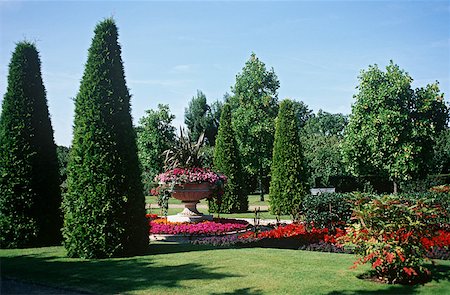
(254, 108)
(62, 154)
(388, 233)
(321, 137)
(392, 128)
(104, 205)
(227, 160)
(327, 210)
(302, 113)
(30, 196)
(441, 160)
(288, 186)
(184, 153)
(155, 135)
(326, 124)
(200, 118)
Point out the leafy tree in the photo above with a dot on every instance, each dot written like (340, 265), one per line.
(302, 112)
(227, 160)
(321, 137)
(104, 205)
(392, 128)
(326, 124)
(255, 106)
(155, 134)
(200, 118)
(29, 184)
(441, 161)
(289, 183)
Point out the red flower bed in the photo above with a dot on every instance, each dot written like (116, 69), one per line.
(294, 232)
(215, 227)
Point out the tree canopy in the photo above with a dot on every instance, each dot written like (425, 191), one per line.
(392, 128)
(255, 106)
(155, 134)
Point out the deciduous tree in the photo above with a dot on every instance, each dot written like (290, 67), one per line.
(255, 106)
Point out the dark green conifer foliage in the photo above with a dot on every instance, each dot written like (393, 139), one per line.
(228, 161)
(30, 197)
(104, 214)
(288, 185)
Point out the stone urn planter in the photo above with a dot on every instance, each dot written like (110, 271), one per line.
(190, 194)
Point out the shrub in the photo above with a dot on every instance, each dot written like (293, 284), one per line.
(327, 210)
(30, 197)
(227, 160)
(104, 208)
(388, 233)
(288, 185)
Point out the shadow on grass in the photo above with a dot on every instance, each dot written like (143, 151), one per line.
(105, 276)
(440, 273)
(157, 248)
(243, 291)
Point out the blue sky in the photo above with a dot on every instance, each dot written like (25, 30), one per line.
(171, 49)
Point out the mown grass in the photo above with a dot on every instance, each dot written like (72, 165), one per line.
(188, 269)
(249, 214)
(253, 200)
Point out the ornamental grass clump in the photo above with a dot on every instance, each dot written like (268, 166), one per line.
(389, 233)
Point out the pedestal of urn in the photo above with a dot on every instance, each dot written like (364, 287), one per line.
(190, 194)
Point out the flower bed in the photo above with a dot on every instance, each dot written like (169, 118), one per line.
(215, 227)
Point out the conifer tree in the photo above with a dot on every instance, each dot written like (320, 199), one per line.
(288, 185)
(227, 160)
(104, 214)
(30, 197)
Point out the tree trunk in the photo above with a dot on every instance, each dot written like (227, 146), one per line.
(261, 191)
(395, 187)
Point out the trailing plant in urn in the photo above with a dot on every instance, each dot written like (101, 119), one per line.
(185, 178)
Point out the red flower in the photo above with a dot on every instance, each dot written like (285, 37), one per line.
(377, 263)
(409, 271)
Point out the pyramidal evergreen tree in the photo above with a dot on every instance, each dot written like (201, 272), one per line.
(104, 208)
(30, 197)
(288, 185)
(227, 160)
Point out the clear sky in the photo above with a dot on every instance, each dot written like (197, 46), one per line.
(171, 49)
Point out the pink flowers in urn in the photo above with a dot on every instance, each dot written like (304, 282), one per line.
(190, 175)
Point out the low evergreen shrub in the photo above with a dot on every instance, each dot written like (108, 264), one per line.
(327, 210)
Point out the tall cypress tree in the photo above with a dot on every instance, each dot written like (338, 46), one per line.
(289, 184)
(227, 160)
(29, 181)
(104, 214)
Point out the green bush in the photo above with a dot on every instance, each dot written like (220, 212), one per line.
(104, 208)
(30, 197)
(227, 160)
(327, 210)
(288, 185)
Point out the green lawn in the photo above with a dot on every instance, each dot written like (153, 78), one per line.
(263, 214)
(188, 269)
(253, 200)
